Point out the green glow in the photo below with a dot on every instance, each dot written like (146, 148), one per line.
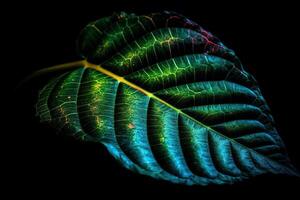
(167, 100)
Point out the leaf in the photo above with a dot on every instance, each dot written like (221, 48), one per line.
(168, 100)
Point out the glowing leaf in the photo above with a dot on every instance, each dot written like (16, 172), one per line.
(168, 100)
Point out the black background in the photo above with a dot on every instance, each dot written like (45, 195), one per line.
(38, 35)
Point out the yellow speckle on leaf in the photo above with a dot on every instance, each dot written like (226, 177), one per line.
(97, 86)
(131, 126)
(162, 139)
(99, 123)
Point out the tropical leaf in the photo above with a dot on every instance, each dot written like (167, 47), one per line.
(168, 100)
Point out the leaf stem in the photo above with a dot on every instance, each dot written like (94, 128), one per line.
(64, 66)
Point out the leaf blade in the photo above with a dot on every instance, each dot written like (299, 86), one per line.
(176, 76)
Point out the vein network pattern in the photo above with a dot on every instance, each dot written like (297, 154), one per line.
(167, 99)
